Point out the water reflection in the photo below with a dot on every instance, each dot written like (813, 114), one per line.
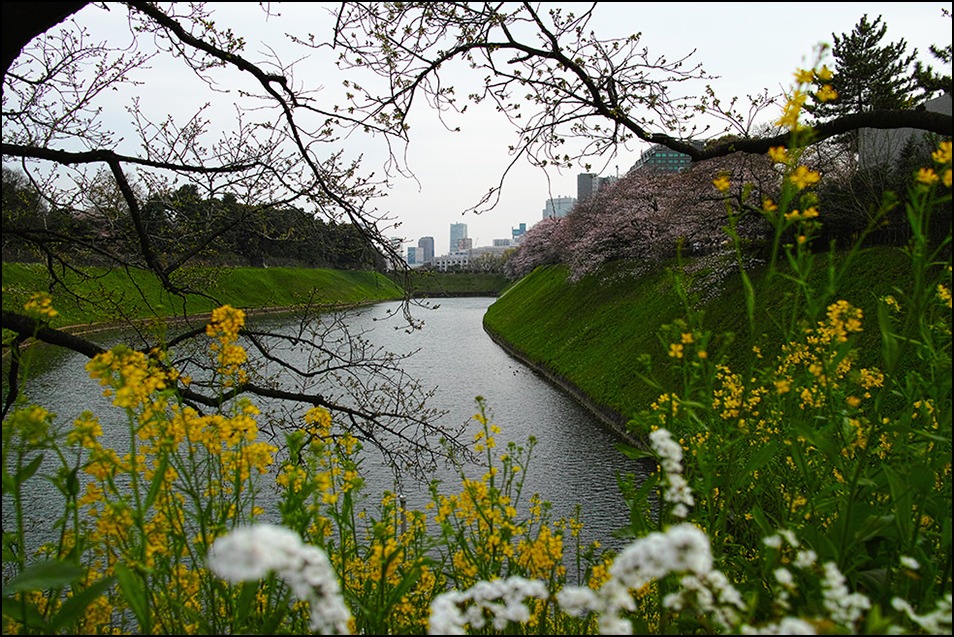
(575, 461)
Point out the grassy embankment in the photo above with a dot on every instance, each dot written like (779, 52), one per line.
(598, 332)
(247, 288)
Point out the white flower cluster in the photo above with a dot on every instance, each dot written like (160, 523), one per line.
(251, 553)
(677, 492)
(936, 623)
(843, 607)
(680, 549)
(502, 599)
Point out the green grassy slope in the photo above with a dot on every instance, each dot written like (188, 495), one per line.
(598, 332)
(247, 288)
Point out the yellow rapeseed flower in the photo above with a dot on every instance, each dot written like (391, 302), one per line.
(803, 177)
(778, 154)
(824, 73)
(943, 153)
(944, 294)
(927, 176)
(721, 183)
(40, 306)
(803, 76)
(792, 110)
(826, 94)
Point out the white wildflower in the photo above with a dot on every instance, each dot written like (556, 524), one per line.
(789, 536)
(937, 622)
(787, 626)
(250, 553)
(805, 559)
(576, 601)
(909, 562)
(502, 599)
(446, 618)
(784, 577)
(773, 541)
(669, 451)
(844, 608)
(615, 625)
(709, 594)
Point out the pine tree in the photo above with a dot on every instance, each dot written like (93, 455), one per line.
(931, 81)
(867, 75)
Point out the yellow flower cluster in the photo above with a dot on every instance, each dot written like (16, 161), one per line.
(942, 169)
(40, 306)
(722, 183)
(133, 379)
(796, 101)
(804, 177)
(225, 324)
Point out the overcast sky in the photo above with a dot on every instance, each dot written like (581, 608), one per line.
(751, 46)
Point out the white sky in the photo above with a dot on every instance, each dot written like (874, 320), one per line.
(751, 45)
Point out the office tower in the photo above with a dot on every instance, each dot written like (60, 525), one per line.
(458, 231)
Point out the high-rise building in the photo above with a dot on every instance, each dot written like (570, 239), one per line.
(458, 231)
(412, 255)
(394, 262)
(586, 185)
(426, 252)
(558, 207)
(518, 232)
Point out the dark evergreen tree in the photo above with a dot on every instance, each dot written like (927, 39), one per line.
(931, 81)
(869, 76)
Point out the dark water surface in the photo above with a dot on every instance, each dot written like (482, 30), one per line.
(575, 460)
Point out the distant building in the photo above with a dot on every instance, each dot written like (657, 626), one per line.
(502, 243)
(586, 185)
(589, 183)
(659, 158)
(458, 231)
(397, 245)
(884, 147)
(517, 233)
(464, 244)
(453, 261)
(425, 249)
(558, 207)
(412, 255)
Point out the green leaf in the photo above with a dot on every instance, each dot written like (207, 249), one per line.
(22, 615)
(157, 481)
(901, 494)
(749, 297)
(889, 342)
(8, 484)
(76, 605)
(135, 596)
(41, 576)
(759, 458)
(25, 473)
